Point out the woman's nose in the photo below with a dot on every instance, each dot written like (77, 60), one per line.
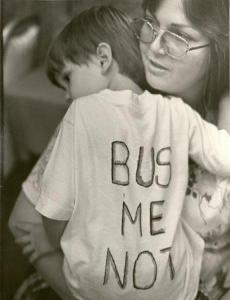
(157, 45)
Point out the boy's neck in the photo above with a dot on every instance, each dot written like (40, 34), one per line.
(121, 82)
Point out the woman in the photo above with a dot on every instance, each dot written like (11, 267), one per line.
(198, 75)
(187, 55)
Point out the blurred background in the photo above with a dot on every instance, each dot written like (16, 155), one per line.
(32, 105)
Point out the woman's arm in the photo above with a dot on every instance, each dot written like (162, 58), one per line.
(208, 146)
(224, 113)
(224, 123)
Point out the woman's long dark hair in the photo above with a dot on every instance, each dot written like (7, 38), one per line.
(211, 17)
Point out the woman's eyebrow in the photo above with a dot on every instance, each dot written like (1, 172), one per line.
(149, 15)
(177, 25)
(188, 27)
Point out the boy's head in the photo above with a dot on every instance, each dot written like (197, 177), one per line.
(91, 38)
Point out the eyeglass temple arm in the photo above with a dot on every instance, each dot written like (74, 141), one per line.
(198, 47)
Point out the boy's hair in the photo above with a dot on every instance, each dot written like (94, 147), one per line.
(80, 38)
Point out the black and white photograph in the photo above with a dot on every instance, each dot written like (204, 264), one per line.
(115, 150)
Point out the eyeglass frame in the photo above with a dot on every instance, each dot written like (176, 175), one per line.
(156, 33)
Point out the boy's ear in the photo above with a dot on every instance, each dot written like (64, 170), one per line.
(104, 55)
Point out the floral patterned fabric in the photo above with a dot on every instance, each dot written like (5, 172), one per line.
(207, 210)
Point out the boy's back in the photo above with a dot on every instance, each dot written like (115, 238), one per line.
(118, 174)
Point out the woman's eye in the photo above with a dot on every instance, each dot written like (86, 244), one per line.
(152, 21)
(183, 35)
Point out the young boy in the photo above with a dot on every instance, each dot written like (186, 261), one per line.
(71, 53)
(114, 185)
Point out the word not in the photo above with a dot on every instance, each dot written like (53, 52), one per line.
(136, 269)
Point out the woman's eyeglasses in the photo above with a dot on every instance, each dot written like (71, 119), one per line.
(173, 44)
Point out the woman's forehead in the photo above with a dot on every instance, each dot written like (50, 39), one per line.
(169, 10)
(170, 13)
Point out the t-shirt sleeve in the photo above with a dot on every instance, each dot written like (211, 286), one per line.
(208, 146)
(32, 185)
(57, 196)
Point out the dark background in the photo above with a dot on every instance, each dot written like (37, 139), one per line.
(54, 13)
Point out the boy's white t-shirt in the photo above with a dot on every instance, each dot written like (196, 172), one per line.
(118, 173)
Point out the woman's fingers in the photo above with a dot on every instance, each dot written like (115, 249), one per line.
(28, 249)
(25, 226)
(33, 257)
(43, 285)
(35, 277)
(25, 239)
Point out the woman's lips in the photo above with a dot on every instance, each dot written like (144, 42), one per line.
(155, 67)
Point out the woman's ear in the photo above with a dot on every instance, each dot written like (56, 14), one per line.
(104, 56)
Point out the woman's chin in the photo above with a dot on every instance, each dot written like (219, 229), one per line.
(158, 83)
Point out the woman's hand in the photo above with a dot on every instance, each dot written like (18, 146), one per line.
(34, 242)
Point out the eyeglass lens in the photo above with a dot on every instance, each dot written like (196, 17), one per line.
(171, 43)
